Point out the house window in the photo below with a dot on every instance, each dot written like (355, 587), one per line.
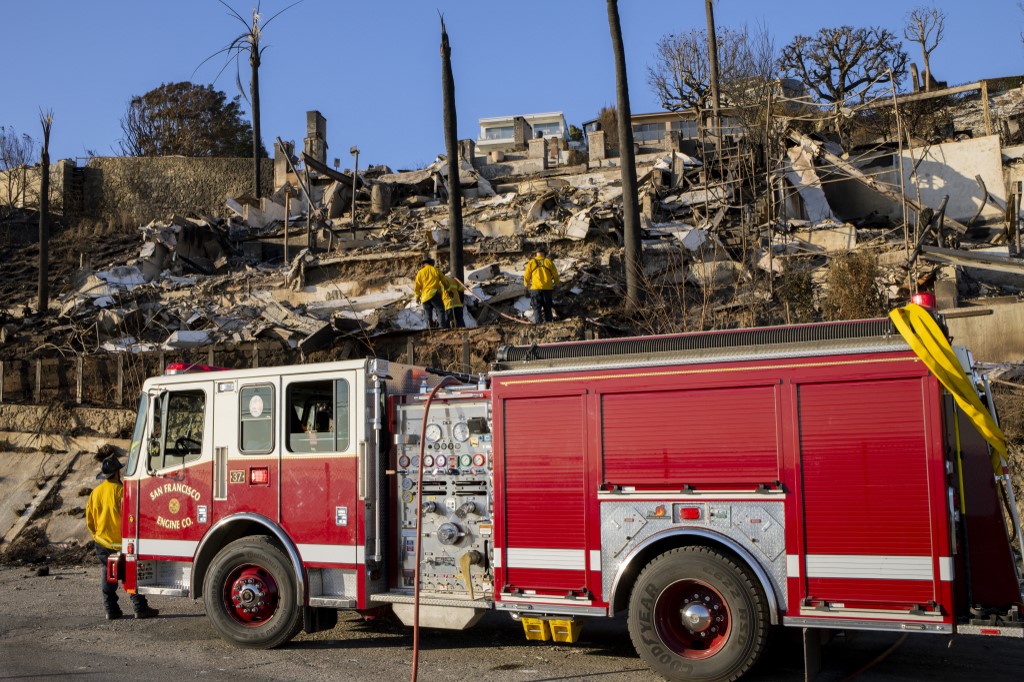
(499, 133)
(648, 132)
(687, 128)
(256, 419)
(547, 130)
(731, 126)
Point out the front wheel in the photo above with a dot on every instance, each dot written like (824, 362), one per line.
(250, 595)
(695, 614)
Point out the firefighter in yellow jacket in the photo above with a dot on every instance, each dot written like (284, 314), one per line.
(540, 278)
(429, 288)
(452, 296)
(103, 517)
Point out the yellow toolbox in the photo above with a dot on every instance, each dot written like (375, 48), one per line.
(565, 630)
(536, 629)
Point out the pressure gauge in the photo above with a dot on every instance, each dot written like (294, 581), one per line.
(428, 461)
(433, 433)
(460, 432)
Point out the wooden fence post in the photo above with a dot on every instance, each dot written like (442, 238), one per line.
(1, 381)
(39, 381)
(119, 396)
(410, 351)
(466, 357)
(80, 368)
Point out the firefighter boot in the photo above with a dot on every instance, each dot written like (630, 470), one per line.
(147, 612)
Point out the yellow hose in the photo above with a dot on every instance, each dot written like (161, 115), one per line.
(922, 333)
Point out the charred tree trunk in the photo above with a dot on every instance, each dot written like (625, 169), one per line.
(451, 144)
(630, 200)
(254, 61)
(44, 214)
(716, 98)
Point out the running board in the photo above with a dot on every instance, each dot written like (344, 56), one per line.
(162, 591)
(405, 598)
(1012, 630)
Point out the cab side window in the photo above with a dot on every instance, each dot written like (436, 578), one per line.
(317, 416)
(178, 426)
(256, 419)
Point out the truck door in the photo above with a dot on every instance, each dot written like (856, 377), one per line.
(175, 493)
(246, 443)
(320, 484)
(875, 545)
(544, 484)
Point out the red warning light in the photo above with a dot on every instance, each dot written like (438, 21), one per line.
(689, 513)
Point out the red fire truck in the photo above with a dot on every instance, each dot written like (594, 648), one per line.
(709, 485)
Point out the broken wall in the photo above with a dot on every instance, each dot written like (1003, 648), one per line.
(985, 329)
(141, 189)
(949, 168)
(19, 187)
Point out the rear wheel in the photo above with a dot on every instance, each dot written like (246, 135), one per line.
(695, 614)
(250, 595)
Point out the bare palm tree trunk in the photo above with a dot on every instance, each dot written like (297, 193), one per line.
(716, 98)
(44, 215)
(451, 144)
(254, 60)
(630, 200)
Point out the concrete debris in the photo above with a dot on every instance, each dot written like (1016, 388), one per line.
(184, 338)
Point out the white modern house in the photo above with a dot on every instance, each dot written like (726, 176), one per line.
(498, 132)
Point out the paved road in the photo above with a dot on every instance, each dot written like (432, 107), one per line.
(52, 628)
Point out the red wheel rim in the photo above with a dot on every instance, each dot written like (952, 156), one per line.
(251, 596)
(692, 619)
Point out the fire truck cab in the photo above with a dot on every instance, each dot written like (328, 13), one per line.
(262, 492)
(707, 485)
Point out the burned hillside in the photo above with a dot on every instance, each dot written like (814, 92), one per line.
(742, 230)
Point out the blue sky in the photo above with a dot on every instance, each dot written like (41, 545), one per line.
(373, 67)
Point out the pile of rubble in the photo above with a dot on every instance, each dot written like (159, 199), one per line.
(332, 254)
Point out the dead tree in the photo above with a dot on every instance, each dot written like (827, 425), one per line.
(16, 152)
(46, 120)
(716, 98)
(844, 65)
(451, 144)
(627, 163)
(681, 75)
(248, 43)
(924, 26)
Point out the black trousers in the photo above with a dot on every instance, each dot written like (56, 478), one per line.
(542, 301)
(432, 305)
(455, 317)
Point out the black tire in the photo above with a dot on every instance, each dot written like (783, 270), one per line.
(730, 611)
(250, 595)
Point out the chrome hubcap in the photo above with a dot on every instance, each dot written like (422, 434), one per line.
(696, 617)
